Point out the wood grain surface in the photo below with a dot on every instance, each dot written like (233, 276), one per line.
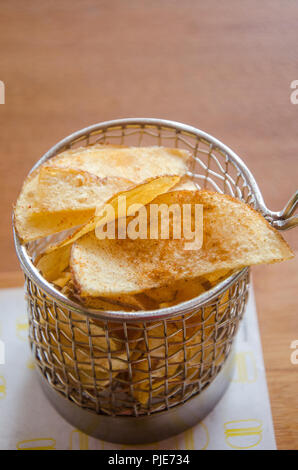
(225, 67)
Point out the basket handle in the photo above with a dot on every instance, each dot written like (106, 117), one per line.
(284, 220)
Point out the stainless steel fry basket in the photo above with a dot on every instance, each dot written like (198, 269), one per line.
(135, 377)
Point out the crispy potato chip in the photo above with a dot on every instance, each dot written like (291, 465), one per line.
(185, 184)
(136, 164)
(210, 280)
(25, 205)
(165, 293)
(163, 371)
(31, 225)
(70, 338)
(124, 302)
(141, 194)
(180, 359)
(78, 365)
(161, 361)
(100, 303)
(61, 331)
(186, 289)
(63, 280)
(234, 236)
(151, 382)
(56, 199)
(52, 265)
(69, 189)
(79, 329)
(42, 225)
(140, 163)
(178, 291)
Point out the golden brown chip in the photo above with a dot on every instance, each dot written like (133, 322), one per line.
(63, 280)
(178, 291)
(160, 362)
(185, 184)
(124, 302)
(178, 354)
(234, 236)
(136, 164)
(186, 289)
(57, 199)
(30, 224)
(70, 189)
(52, 265)
(115, 209)
(72, 337)
(79, 366)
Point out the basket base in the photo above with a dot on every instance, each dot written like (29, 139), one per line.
(143, 429)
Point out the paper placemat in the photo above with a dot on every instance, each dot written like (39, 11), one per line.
(241, 420)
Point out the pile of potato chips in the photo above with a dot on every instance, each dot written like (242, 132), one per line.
(70, 194)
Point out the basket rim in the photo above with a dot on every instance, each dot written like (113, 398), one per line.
(142, 315)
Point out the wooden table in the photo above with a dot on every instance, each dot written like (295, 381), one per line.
(225, 67)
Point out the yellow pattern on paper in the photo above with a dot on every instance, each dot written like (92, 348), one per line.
(30, 364)
(206, 444)
(22, 327)
(245, 367)
(191, 443)
(189, 440)
(39, 443)
(78, 440)
(243, 433)
(2, 387)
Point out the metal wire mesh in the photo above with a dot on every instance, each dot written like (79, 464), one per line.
(142, 366)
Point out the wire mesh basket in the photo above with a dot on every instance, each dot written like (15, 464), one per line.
(137, 376)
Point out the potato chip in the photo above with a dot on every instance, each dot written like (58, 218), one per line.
(179, 353)
(185, 184)
(136, 164)
(63, 280)
(173, 361)
(31, 224)
(69, 189)
(57, 199)
(25, 205)
(186, 289)
(165, 293)
(78, 365)
(141, 194)
(40, 225)
(52, 265)
(100, 303)
(234, 236)
(124, 302)
(177, 292)
(62, 330)
(150, 382)
(160, 362)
